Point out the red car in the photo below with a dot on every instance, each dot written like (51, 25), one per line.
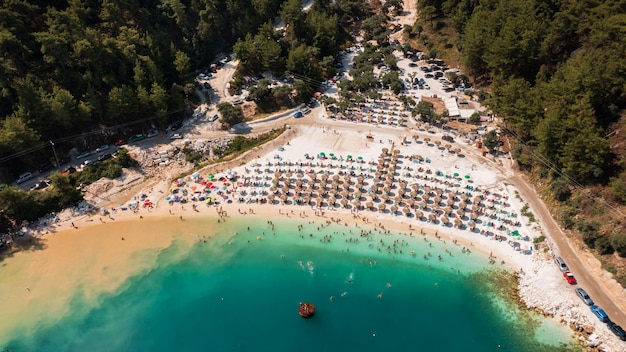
(570, 278)
(120, 142)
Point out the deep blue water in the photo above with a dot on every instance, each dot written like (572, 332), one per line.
(244, 296)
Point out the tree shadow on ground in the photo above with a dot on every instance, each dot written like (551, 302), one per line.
(25, 243)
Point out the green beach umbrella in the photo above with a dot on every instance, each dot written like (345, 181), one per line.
(211, 176)
(456, 174)
(322, 154)
(331, 154)
(349, 156)
(359, 158)
(467, 176)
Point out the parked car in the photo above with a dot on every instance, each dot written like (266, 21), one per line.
(40, 185)
(86, 163)
(237, 102)
(104, 157)
(102, 148)
(176, 136)
(600, 313)
(25, 176)
(561, 263)
(119, 142)
(45, 167)
(64, 160)
(584, 296)
(137, 137)
(298, 114)
(617, 330)
(83, 155)
(213, 118)
(176, 125)
(152, 133)
(69, 170)
(570, 278)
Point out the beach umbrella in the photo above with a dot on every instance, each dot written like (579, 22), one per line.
(211, 176)
(471, 225)
(447, 210)
(369, 204)
(450, 202)
(467, 177)
(461, 212)
(457, 222)
(357, 204)
(385, 150)
(475, 207)
(344, 202)
(359, 158)
(332, 201)
(394, 209)
(382, 206)
(406, 210)
(419, 214)
(432, 217)
(477, 199)
(445, 220)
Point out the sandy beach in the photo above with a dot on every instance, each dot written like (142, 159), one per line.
(332, 172)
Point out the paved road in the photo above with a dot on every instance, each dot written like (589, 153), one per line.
(586, 279)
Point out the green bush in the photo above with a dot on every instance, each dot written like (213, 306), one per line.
(602, 245)
(618, 242)
(560, 189)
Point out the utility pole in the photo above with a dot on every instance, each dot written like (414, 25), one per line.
(56, 158)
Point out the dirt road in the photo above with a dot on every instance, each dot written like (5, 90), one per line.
(587, 276)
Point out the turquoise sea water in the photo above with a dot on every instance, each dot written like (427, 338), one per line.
(235, 292)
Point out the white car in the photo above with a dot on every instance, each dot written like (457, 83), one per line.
(152, 133)
(176, 136)
(213, 118)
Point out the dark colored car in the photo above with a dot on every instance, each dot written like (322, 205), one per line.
(119, 142)
(176, 125)
(105, 156)
(137, 137)
(45, 167)
(617, 330)
(64, 160)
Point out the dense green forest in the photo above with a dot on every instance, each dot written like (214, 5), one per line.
(556, 72)
(80, 73)
(556, 75)
(84, 73)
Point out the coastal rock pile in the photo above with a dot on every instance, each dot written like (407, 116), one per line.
(543, 291)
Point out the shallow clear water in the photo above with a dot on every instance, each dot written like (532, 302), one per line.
(239, 293)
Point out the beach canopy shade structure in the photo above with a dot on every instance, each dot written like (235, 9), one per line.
(467, 176)
(211, 176)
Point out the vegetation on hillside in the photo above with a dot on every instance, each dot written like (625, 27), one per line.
(556, 75)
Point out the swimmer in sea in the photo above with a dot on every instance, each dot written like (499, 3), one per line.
(331, 298)
(379, 296)
(343, 294)
(388, 285)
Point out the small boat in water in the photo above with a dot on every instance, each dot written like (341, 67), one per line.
(306, 310)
